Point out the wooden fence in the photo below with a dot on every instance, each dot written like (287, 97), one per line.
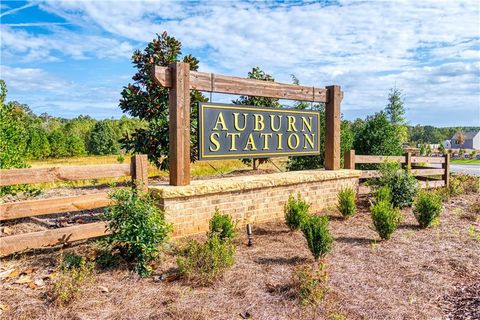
(137, 169)
(427, 176)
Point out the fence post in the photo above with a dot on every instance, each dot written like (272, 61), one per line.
(139, 171)
(349, 159)
(179, 124)
(446, 167)
(332, 128)
(408, 161)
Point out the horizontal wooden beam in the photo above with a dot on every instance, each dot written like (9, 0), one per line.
(210, 82)
(428, 160)
(31, 208)
(378, 159)
(41, 239)
(52, 174)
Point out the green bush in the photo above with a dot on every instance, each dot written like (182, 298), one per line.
(385, 218)
(310, 285)
(463, 183)
(383, 193)
(401, 182)
(138, 228)
(346, 202)
(296, 211)
(316, 232)
(222, 225)
(427, 208)
(202, 264)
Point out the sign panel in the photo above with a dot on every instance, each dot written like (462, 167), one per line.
(227, 131)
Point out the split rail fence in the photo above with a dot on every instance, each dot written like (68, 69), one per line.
(137, 169)
(429, 177)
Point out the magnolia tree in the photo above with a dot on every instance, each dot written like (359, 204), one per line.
(145, 99)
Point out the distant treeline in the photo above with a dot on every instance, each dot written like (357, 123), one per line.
(46, 136)
(428, 134)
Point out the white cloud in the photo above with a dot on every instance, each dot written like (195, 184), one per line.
(30, 79)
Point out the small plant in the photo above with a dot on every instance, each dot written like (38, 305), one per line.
(463, 183)
(222, 225)
(72, 273)
(383, 193)
(311, 286)
(296, 211)
(346, 202)
(316, 232)
(427, 208)
(138, 228)
(385, 218)
(120, 158)
(202, 264)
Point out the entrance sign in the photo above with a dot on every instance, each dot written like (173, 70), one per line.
(227, 131)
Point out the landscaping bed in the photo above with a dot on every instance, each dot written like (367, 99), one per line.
(417, 274)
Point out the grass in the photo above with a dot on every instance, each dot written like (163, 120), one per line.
(466, 161)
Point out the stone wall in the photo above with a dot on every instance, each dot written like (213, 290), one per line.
(248, 199)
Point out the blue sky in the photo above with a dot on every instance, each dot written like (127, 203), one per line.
(72, 57)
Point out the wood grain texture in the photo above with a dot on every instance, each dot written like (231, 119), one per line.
(210, 82)
(428, 159)
(446, 168)
(349, 159)
(139, 169)
(179, 124)
(332, 128)
(40, 239)
(31, 208)
(52, 174)
(378, 159)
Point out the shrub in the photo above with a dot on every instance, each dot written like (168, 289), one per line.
(120, 158)
(138, 228)
(427, 208)
(463, 183)
(402, 183)
(385, 218)
(222, 225)
(316, 232)
(310, 285)
(67, 282)
(202, 264)
(383, 193)
(346, 202)
(296, 211)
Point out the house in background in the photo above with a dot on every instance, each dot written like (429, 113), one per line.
(472, 141)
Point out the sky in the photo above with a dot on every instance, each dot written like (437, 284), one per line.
(68, 58)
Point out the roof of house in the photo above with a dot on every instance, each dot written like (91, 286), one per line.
(468, 135)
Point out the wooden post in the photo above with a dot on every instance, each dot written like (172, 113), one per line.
(349, 159)
(139, 171)
(179, 125)
(332, 128)
(408, 161)
(446, 167)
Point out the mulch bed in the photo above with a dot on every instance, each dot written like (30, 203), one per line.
(418, 274)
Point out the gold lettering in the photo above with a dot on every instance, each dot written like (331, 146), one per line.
(280, 142)
(272, 117)
(307, 124)
(250, 142)
(235, 121)
(233, 140)
(291, 124)
(309, 139)
(213, 139)
(220, 121)
(289, 141)
(259, 124)
(265, 140)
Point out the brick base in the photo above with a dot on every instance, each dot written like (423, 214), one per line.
(248, 199)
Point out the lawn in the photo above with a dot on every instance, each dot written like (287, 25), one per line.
(418, 274)
(466, 161)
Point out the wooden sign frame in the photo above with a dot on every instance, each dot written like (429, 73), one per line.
(178, 77)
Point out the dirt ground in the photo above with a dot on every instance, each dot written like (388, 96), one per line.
(418, 274)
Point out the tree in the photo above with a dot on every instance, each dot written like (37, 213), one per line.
(395, 111)
(38, 146)
(75, 146)
(148, 101)
(58, 144)
(102, 139)
(378, 137)
(258, 74)
(12, 133)
(460, 137)
(441, 149)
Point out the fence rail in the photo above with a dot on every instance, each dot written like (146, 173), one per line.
(137, 169)
(426, 175)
